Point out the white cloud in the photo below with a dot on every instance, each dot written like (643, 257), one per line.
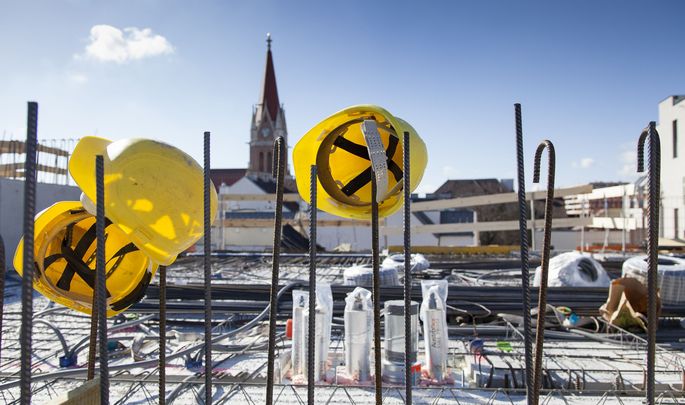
(628, 163)
(585, 163)
(77, 78)
(111, 44)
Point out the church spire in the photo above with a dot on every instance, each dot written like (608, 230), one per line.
(269, 98)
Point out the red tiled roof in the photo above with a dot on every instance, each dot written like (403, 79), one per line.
(226, 176)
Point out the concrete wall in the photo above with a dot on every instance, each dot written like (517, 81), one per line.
(672, 169)
(12, 208)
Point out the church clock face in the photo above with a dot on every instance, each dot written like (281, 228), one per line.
(266, 132)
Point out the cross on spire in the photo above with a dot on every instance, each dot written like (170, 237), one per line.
(268, 40)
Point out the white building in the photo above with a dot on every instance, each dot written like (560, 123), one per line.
(671, 117)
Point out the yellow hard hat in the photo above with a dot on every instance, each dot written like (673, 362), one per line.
(153, 192)
(64, 254)
(338, 146)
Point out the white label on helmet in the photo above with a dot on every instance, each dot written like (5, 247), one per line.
(379, 162)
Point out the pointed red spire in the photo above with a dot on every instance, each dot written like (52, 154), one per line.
(269, 99)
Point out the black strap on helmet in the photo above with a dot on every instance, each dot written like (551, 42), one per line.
(135, 295)
(361, 151)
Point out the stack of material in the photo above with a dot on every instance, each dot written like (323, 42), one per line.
(671, 278)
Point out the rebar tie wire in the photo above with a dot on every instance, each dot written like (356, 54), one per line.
(406, 228)
(654, 182)
(278, 172)
(100, 277)
(312, 285)
(375, 262)
(207, 271)
(28, 259)
(525, 271)
(162, 335)
(542, 300)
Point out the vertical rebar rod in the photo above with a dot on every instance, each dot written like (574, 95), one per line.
(92, 345)
(546, 242)
(312, 285)
(208, 271)
(375, 262)
(3, 271)
(28, 259)
(100, 277)
(278, 170)
(523, 237)
(406, 224)
(162, 335)
(654, 182)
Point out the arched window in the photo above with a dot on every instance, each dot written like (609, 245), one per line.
(269, 162)
(261, 161)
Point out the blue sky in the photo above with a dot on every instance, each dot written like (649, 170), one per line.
(588, 73)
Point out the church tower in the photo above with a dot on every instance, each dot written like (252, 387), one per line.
(268, 123)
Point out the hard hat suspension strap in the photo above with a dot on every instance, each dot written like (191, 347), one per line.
(135, 295)
(82, 246)
(364, 177)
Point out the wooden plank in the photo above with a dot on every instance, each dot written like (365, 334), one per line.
(87, 393)
(464, 202)
(485, 226)
(459, 250)
(17, 169)
(290, 197)
(18, 147)
(613, 223)
(269, 223)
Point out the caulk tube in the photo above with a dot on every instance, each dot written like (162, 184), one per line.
(322, 332)
(434, 318)
(358, 330)
(299, 349)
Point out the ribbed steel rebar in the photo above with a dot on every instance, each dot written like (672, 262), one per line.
(406, 224)
(542, 298)
(375, 263)
(162, 335)
(312, 285)
(92, 345)
(2, 287)
(279, 173)
(523, 236)
(28, 259)
(652, 242)
(207, 271)
(100, 277)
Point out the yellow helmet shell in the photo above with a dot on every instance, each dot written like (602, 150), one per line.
(338, 148)
(153, 192)
(64, 254)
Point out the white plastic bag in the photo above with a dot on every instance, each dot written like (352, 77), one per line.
(434, 317)
(573, 269)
